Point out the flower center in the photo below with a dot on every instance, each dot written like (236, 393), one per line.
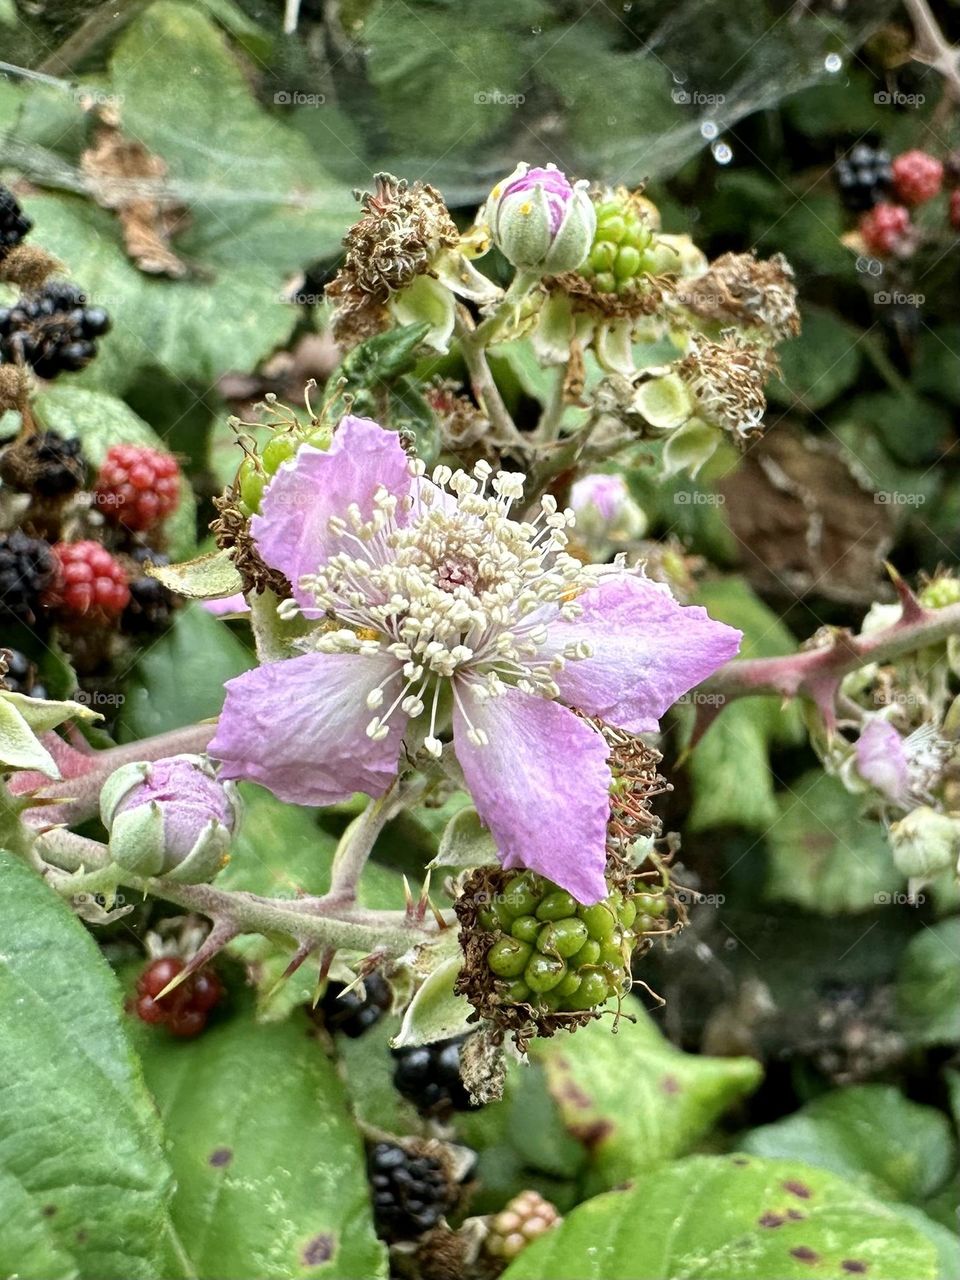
(453, 586)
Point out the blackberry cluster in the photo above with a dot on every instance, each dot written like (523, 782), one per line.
(411, 1193)
(19, 674)
(352, 1013)
(863, 176)
(14, 223)
(525, 1218)
(45, 464)
(137, 487)
(52, 329)
(28, 569)
(92, 584)
(429, 1077)
(151, 604)
(184, 1012)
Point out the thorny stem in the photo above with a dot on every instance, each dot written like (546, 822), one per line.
(79, 798)
(817, 672)
(325, 924)
(932, 46)
(482, 381)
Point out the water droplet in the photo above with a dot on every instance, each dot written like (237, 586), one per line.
(611, 121)
(535, 31)
(721, 152)
(627, 6)
(729, 944)
(833, 63)
(709, 130)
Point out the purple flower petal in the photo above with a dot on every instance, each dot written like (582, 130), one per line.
(292, 531)
(555, 186)
(298, 727)
(226, 604)
(882, 759)
(646, 650)
(542, 786)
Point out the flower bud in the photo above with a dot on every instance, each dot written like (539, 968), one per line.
(171, 817)
(925, 842)
(607, 515)
(539, 222)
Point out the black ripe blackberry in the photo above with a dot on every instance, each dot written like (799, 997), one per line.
(151, 603)
(45, 464)
(863, 176)
(52, 330)
(351, 1013)
(27, 568)
(411, 1193)
(429, 1077)
(19, 675)
(14, 223)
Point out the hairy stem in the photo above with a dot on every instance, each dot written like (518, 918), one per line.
(817, 672)
(482, 381)
(326, 923)
(355, 846)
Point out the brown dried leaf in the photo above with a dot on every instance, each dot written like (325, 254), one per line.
(113, 165)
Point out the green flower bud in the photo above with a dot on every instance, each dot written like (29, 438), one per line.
(925, 842)
(540, 222)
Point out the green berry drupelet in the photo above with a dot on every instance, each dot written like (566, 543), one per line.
(429, 1076)
(28, 570)
(52, 330)
(14, 223)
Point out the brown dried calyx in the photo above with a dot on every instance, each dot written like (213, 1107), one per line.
(396, 238)
(231, 529)
(645, 299)
(741, 289)
(727, 380)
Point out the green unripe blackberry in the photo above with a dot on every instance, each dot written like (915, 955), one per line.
(543, 972)
(256, 472)
(618, 256)
(651, 904)
(276, 451)
(600, 920)
(526, 928)
(508, 957)
(562, 938)
(557, 905)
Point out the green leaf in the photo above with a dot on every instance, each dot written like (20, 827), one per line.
(435, 1012)
(928, 985)
(367, 1068)
(99, 421)
(871, 1133)
(179, 680)
(19, 745)
(823, 855)
(78, 1134)
(243, 237)
(820, 364)
(269, 1166)
(632, 1098)
(729, 767)
(208, 577)
(730, 1218)
(29, 1250)
(936, 369)
(913, 429)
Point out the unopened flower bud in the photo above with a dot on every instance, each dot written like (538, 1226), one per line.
(925, 842)
(607, 515)
(170, 817)
(539, 221)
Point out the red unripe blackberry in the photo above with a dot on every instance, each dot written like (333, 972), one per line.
(137, 486)
(886, 229)
(92, 585)
(185, 1010)
(917, 176)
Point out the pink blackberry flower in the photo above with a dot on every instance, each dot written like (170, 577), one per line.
(448, 602)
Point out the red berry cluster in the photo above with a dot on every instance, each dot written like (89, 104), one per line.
(887, 228)
(91, 583)
(185, 1010)
(137, 486)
